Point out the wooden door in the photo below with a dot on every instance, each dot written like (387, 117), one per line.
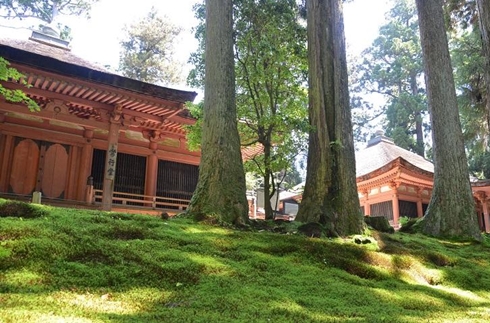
(25, 162)
(55, 171)
(39, 166)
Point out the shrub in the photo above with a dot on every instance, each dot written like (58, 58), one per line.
(21, 210)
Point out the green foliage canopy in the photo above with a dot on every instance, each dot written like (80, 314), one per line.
(271, 73)
(17, 96)
(148, 50)
(45, 10)
(392, 67)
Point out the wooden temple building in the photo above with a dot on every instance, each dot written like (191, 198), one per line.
(394, 182)
(100, 138)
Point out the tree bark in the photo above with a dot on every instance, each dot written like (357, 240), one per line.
(419, 133)
(269, 214)
(330, 195)
(484, 22)
(451, 211)
(221, 190)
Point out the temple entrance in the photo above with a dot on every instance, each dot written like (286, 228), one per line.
(39, 166)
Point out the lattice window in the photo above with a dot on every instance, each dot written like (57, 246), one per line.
(176, 180)
(130, 172)
(383, 209)
(407, 209)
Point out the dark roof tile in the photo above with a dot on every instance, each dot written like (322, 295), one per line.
(51, 51)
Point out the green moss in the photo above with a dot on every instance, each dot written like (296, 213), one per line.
(76, 265)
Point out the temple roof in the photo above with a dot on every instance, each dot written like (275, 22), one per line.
(57, 53)
(381, 151)
(62, 61)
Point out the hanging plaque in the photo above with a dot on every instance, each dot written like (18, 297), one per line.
(110, 167)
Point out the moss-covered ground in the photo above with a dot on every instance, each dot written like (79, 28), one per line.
(70, 265)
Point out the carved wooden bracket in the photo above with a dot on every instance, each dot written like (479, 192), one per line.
(152, 135)
(57, 107)
(394, 184)
(116, 116)
(481, 196)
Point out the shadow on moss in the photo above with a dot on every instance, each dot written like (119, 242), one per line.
(21, 210)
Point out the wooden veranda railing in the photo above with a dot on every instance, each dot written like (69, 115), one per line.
(153, 202)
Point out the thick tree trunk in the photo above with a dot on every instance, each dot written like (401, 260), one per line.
(267, 182)
(345, 199)
(484, 20)
(451, 210)
(221, 187)
(330, 195)
(419, 133)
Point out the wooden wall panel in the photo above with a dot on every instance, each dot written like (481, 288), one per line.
(55, 171)
(73, 170)
(6, 157)
(3, 138)
(24, 167)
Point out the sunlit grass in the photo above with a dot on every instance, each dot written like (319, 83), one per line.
(89, 266)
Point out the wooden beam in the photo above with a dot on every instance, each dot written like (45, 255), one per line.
(114, 89)
(106, 108)
(18, 108)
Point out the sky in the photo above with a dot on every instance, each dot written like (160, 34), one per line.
(97, 39)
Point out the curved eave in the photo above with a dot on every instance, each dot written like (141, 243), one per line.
(49, 64)
(397, 171)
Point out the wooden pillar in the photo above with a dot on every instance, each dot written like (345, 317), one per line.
(367, 204)
(367, 208)
(484, 203)
(420, 209)
(110, 160)
(396, 209)
(151, 174)
(85, 165)
(5, 154)
(479, 214)
(395, 203)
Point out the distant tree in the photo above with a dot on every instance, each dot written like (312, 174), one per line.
(392, 67)
(147, 52)
(221, 188)
(460, 13)
(451, 211)
(44, 10)
(270, 66)
(291, 178)
(330, 194)
(466, 53)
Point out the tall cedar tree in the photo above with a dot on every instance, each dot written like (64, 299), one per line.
(330, 195)
(451, 211)
(221, 189)
(484, 22)
(392, 66)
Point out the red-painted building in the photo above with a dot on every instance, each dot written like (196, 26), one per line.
(125, 136)
(394, 182)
